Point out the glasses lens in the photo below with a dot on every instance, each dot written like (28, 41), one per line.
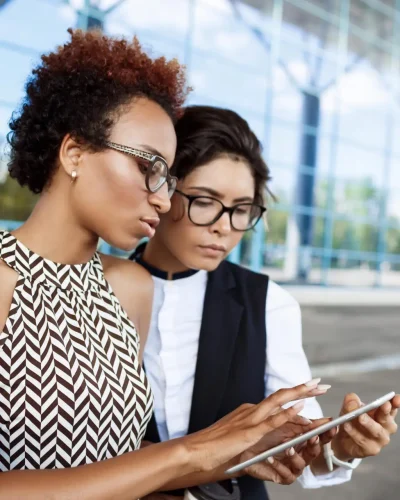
(246, 216)
(171, 186)
(157, 175)
(204, 211)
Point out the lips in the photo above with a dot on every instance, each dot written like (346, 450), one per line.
(149, 225)
(218, 248)
(213, 251)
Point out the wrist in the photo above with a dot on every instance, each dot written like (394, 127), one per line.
(183, 455)
(198, 459)
(338, 450)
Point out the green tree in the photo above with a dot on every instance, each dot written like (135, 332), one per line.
(16, 203)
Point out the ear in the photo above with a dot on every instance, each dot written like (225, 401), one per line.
(70, 155)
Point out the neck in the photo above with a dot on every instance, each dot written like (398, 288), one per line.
(53, 232)
(158, 255)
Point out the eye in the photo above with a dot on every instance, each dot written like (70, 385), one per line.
(203, 202)
(143, 165)
(243, 210)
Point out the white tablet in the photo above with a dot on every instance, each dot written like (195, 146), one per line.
(314, 432)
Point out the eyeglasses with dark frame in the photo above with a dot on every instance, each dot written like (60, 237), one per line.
(156, 170)
(206, 210)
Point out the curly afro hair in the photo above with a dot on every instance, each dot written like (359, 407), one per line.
(78, 89)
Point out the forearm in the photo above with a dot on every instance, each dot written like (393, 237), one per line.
(195, 478)
(127, 477)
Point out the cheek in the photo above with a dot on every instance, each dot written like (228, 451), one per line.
(107, 199)
(234, 239)
(178, 212)
(123, 185)
(116, 188)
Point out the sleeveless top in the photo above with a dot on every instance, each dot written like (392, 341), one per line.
(72, 390)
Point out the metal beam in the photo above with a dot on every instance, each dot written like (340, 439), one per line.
(3, 3)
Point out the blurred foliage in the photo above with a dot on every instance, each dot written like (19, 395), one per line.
(16, 203)
(353, 198)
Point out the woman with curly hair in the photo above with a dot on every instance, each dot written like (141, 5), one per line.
(95, 137)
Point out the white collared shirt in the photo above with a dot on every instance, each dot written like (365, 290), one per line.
(171, 354)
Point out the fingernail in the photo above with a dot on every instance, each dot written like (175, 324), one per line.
(298, 406)
(306, 420)
(347, 427)
(323, 387)
(313, 383)
(291, 452)
(316, 440)
(363, 419)
(271, 460)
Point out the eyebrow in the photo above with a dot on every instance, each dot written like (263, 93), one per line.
(151, 150)
(216, 194)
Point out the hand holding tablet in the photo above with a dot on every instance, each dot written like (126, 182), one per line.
(314, 432)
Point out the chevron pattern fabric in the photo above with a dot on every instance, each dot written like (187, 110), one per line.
(72, 390)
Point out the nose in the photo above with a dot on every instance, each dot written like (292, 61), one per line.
(222, 225)
(160, 200)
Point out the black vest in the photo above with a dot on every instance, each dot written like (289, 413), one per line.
(231, 359)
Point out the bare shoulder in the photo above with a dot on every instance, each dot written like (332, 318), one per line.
(8, 280)
(125, 273)
(133, 286)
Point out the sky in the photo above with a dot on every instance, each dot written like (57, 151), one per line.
(229, 67)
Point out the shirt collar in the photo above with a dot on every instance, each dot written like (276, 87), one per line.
(137, 256)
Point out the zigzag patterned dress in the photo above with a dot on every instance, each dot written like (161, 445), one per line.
(72, 391)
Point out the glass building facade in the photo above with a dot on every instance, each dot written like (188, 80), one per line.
(318, 81)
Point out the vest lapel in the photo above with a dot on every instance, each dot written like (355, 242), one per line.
(220, 325)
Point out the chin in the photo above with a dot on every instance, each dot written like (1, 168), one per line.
(126, 242)
(208, 265)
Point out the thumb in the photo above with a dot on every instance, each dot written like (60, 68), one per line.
(351, 402)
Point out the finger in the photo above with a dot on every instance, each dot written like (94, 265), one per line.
(278, 419)
(368, 446)
(387, 413)
(285, 396)
(300, 420)
(372, 429)
(318, 422)
(312, 450)
(396, 401)
(238, 413)
(281, 473)
(350, 403)
(327, 437)
(382, 412)
(294, 462)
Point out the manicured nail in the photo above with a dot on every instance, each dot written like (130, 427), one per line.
(313, 383)
(323, 387)
(271, 460)
(298, 406)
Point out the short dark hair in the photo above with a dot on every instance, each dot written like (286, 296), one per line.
(205, 133)
(78, 89)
